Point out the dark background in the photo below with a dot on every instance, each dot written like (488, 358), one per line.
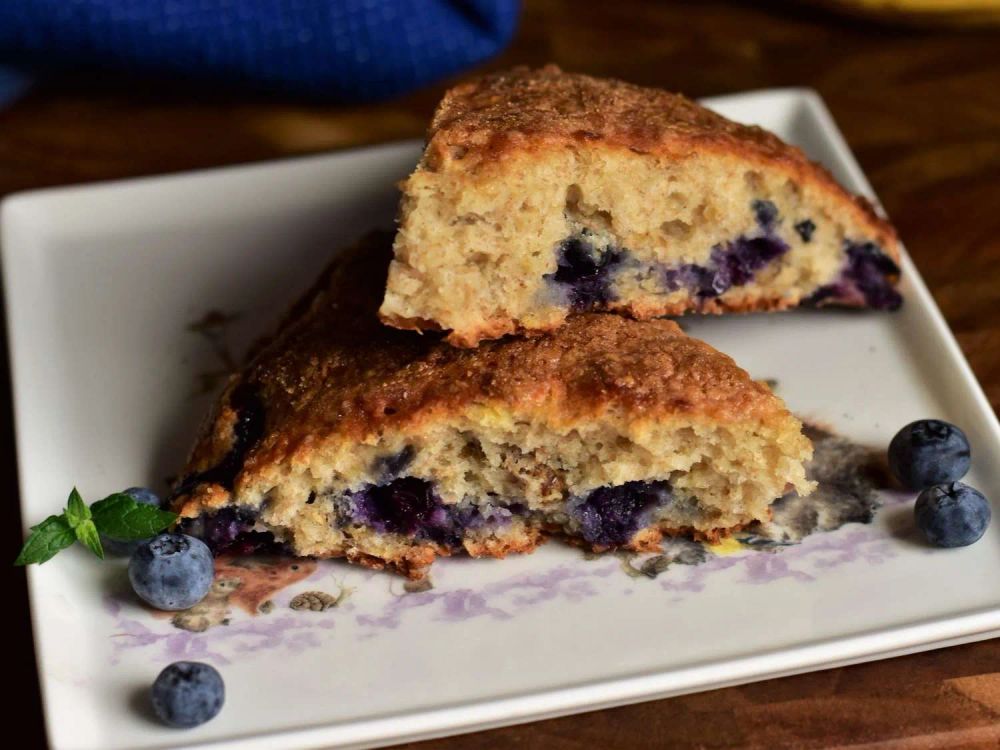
(920, 107)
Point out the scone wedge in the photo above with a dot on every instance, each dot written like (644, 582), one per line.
(343, 437)
(541, 193)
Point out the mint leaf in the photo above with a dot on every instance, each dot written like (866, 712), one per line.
(86, 534)
(47, 538)
(117, 516)
(121, 517)
(76, 510)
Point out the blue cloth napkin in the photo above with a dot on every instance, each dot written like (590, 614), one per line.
(340, 50)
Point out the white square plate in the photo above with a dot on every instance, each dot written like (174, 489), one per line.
(102, 283)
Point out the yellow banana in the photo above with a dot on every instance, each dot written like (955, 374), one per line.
(952, 12)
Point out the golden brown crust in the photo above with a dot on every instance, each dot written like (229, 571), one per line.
(471, 337)
(524, 109)
(500, 547)
(414, 562)
(649, 538)
(718, 306)
(337, 370)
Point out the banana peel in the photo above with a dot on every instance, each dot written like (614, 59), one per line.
(923, 12)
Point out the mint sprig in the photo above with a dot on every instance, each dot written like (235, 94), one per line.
(117, 516)
(76, 510)
(47, 538)
(78, 516)
(87, 535)
(121, 517)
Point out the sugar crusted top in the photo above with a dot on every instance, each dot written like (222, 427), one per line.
(507, 109)
(333, 369)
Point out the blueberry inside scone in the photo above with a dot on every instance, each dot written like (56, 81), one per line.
(346, 438)
(543, 193)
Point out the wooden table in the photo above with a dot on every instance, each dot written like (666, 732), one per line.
(920, 108)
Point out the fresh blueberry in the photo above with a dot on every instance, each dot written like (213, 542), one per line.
(125, 547)
(929, 452)
(952, 515)
(143, 495)
(172, 571)
(188, 693)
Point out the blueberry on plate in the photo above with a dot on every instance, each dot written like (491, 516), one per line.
(188, 693)
(125, 547)
(929, 452)
(952, 515)
(172, 571)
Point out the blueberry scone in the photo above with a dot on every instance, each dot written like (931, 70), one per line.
(542, 193)
(343, 437)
